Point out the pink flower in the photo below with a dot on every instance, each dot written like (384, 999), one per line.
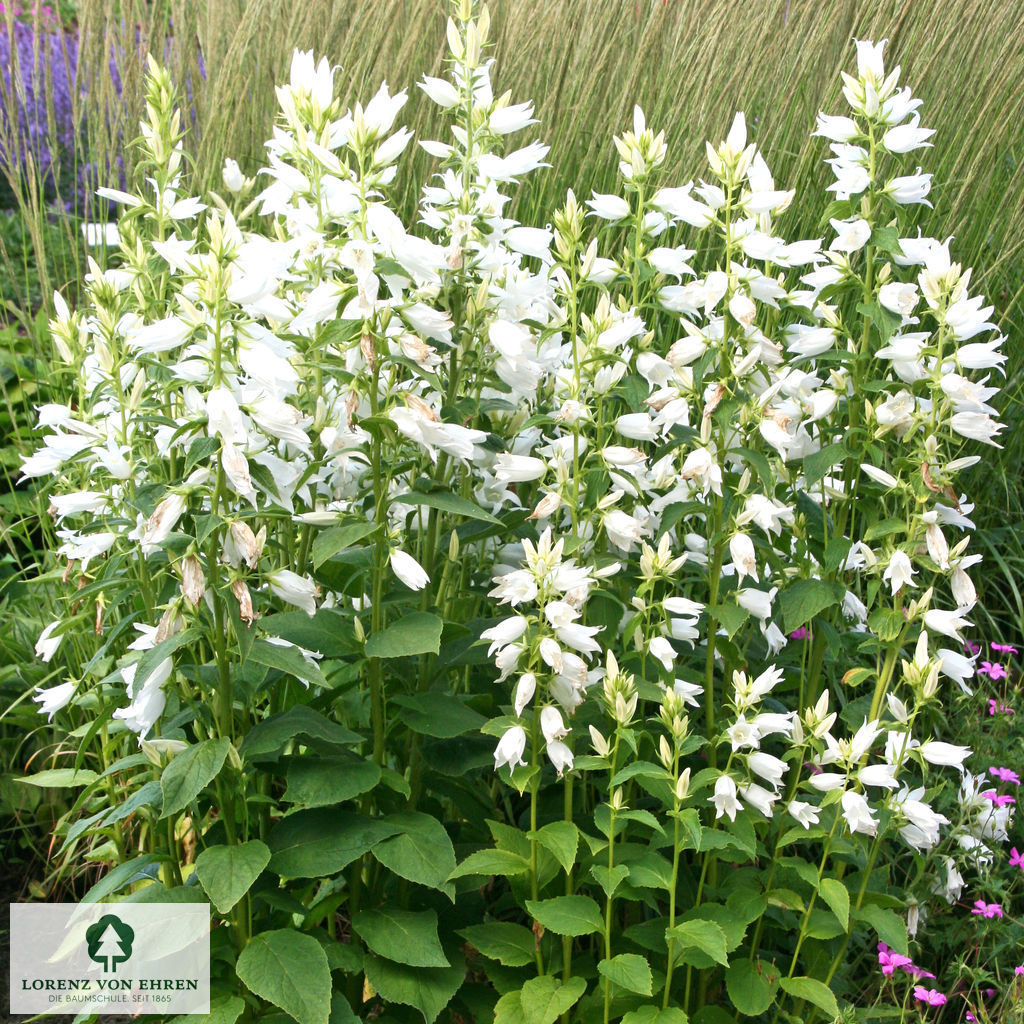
(972, 648)
(800, 633)
(918, 972)
(889, 960)
(1005, 775)
(929, 996)
(1004, 648)
(999, 801)
(994, 707)
(992, 669)
(1016, 859)
(987, 909)
(1019, 970)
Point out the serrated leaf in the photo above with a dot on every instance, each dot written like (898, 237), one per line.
(289, 969)
(567, 915)
(511, 945)
(273, 734)
(748, 985)
(319, 843)
(884, 528)
(287, 659)
(491, 862)
(806, 598)
(190, 772)
(416, 633)
(813, 991)
(441, 715)
(320, 780)
(329, 542)
(509, 1009)
(818, 463)
(60, 778)
(656, 1015)
(562, 839)
(834, 893)
(629, 971)
(226, 873)
(406, 936)
(445, 501)
(422, 851)
(704, 936)
(545, 999)
(427, 989)
(891, 928)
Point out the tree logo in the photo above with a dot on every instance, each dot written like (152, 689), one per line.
(110, 942)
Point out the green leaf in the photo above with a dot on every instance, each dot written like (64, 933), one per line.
(807, 598)
(884, 528)
(834, 893)
(655, 1015)
(491, 862)
(567, 915)
(147, 664)
(891, 928)
(509, 1009)
(222, 1011)
(545, 999)
(729, 616)
(406, 936)
(226, 873)
(886, 322)
(886, 624)
(813, 991)
(440, 715)
(818, 463)
(609, 878)
(748, 985)
(422, 852)
(149, 795)
(341, 1011)
(629, 971)
(329, 542)
(511, 945)
(705, 936)
(318, 843)
(285, 659)
(887, 239)
(119, 877)
(445, 501)
(190, 772)
(329, 632)
(562, 839)
(60, 778)
(417, 633)
(289, 969)
(267, 739)
(428, 989)
(319, 780)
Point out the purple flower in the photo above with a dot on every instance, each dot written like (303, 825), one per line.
(1019, 970)
(994, 707)
(999, 801)
(889, 960)
(929, 996)
(972, 648)
(987, 909)
(1016, 859)
(1004, 648)
(992, 669)
(800, 633)
(1005, 775)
